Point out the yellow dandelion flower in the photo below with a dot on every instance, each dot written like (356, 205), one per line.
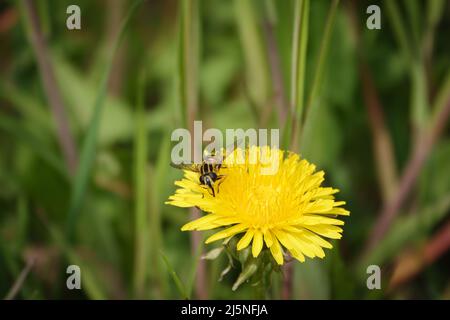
(287, 209)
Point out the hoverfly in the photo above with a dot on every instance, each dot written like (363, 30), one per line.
(208, 169)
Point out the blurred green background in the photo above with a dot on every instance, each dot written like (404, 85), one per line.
(376, 94)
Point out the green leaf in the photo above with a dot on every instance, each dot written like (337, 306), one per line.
(213, 254)
(116, 125)
(249, 269)
(228, 268)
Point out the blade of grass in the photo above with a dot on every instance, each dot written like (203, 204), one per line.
(318, 73)
(176, 279)
(434, 10)
(413, 10)
(398, 28)
(156, 179)
(141, 232)
(257, 76)
(20, 280)
(299, 50)
(89, 145)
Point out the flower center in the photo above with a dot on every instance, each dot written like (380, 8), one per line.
(263, 205)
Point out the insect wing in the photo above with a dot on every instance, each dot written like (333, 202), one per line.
(218, 158)
(186, 166)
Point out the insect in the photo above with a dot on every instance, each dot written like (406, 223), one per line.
(208, 169)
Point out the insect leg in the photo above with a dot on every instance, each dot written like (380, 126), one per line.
(219, 181)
